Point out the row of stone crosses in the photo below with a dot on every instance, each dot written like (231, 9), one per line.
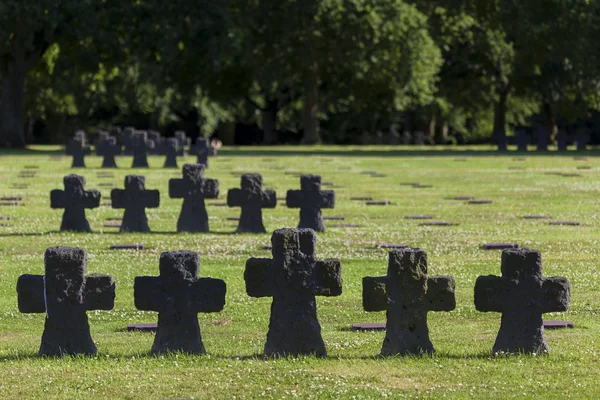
(193, 188)
(293, 277)
(541, 135)
(138, 144)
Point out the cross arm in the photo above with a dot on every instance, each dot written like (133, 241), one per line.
(117, 198)
(30, 293)
(92, 199)
(294, 198)
(259, 277)
(491, 293)
(328, 277)
(210, 188)
(269, 199)
(151, 198)
(327, 199)
(208, 295)
(374, 293)
(556, 293)
(235, 197)
(148, 294)
(440, 293)
(99, 292)
(57, 198)
(177, 188)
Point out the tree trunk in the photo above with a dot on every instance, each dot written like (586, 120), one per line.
(550, 117)
(432, 127)
(227, 133)
(311, 106)
(499, 135)
(11, 104)
(269, 121)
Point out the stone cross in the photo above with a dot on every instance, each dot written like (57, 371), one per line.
(193, 188)
(170, 148)
(140, 146)
(522, 139)
(522, 295)
(293, 278)
(109, 149)
(135, 199)
(562, 140)
(74, 199)
(178, 295)
(541, 137)
(78, 149)
(407, 293)
(183, 140)
(311, 199)
(126, 139)
(65, 293)
(252, 199)
(203, 150)
(156, 142)
(582, 137)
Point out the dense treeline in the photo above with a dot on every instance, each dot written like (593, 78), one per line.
(340, 71)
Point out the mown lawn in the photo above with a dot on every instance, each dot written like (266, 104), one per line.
(463, 365)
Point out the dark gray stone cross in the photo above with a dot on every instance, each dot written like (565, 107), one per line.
(193, 188)
(178, 295)
(252, 199)
(78, 150)
(407, 293)
(109, 148)
(522, 295)
(65, 293)
(74, 199)
(204, 150)
(170, 148)
(140, 148)
(135, 199)
(311, 199)
(293, 278)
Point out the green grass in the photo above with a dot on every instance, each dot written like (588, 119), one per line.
(463, 365)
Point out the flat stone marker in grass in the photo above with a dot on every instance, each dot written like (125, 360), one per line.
(19, 186)
(369, 172)
(252, 199)
(537, 217)
(334, 218)
(580, 158)
(438, 223)
(203, 151)
(407, 293)
(5, 218)
(553, 324)
(148, 327)
(77, 149)
(364, 198)
(114, 219)
(391, 246)
(293, 173)
(112, 225)
(134, 200)
(418, 217)
(178, 294)
(584, 167)
(132, 246)
(108, 185)
(9, 203)
(344, 225)
(108, 149)
(380, 326)
(65, 293)
(409, 183)
(293, 278)
(419, 186)
(140, 150)
(233, 218)
(462, 198)
(170, 148)
(266, 247)
(522, 294)
(193, 188)
(310, 199)
(516, 168)
(74, 200)
(570, 175)
(480, 202)
(378, 203)
(32, 166)
(499, 246)
(11, 198)
(565, 223)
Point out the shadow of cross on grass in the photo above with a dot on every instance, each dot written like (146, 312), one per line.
(178, 294)
(522, 295)
(293, 278)
(407, 293)
(65, 293)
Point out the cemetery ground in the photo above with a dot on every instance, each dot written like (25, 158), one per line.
(565, 187)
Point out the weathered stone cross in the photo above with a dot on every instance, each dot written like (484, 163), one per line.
(252, 199)
(74, 199)
(135, 199)
(109, 148)
(140, 148)
(522, 295)
(170, 148)
(178, 295)
(193, 189)
(78, 149)
(311, 199)
(407, 293)
(203, 150)
(65, 293)
(293, 278)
